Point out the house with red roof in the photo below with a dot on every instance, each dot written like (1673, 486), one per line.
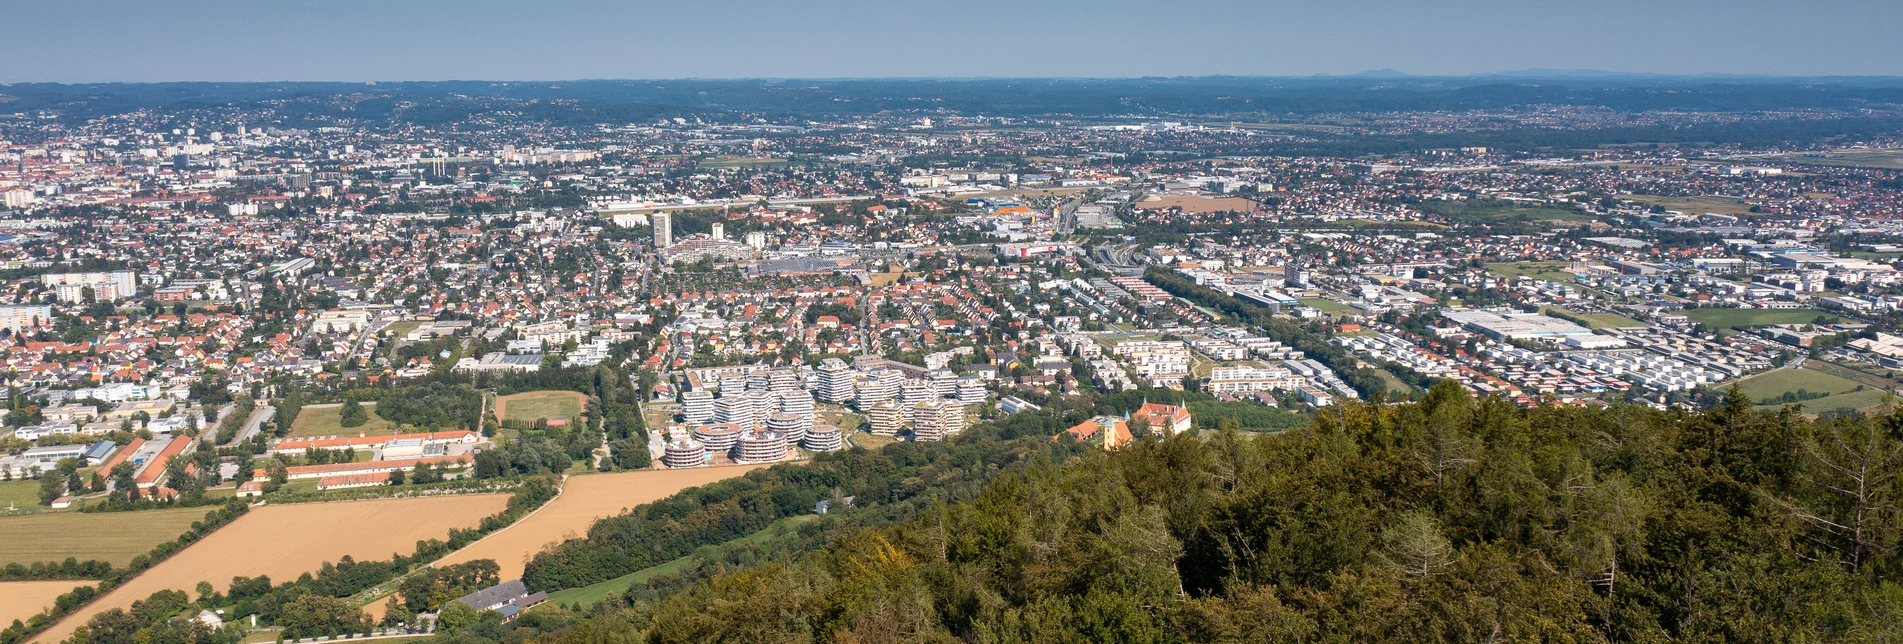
(1108, 432)
(1160, 417)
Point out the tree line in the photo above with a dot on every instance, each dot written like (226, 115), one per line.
(1450, 519)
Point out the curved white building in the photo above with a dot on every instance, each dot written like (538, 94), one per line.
(791, 426)
(760, 447)
(685, 452)
(824, 438)
(719, 438)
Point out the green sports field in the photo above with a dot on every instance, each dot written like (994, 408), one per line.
(536, 405)
(1746, 318)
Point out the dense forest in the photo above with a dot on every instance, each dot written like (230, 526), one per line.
(1450, 519)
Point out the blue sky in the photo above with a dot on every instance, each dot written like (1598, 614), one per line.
(357, 40)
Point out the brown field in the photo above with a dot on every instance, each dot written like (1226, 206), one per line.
(22, 599)
(882, 279)
(584, 499)
(288, 540)
(1195, 204)
(535, 405)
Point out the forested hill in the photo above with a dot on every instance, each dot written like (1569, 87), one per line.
(1452, 519)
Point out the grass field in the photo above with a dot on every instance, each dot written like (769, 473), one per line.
(1843, 390)
(584, 499)
(537, 405)
(1778, 381)
(284, 541)
(22, 599)
(1326, 305)
(728, 161)
(1549, 271)
(328, 421)
(869, 440)
(1867, 374)
(1395, 384)
(1489, 211)
(1696, 205)
(1745, 318)
(115, 537)
(1601, 320)
(1861, 400)
(587, 595)
(401, 328)
(21, 497)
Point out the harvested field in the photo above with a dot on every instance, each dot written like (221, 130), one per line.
(114, 537)
(584, 499)
(22, 599)
(536, 405)
(284, 541)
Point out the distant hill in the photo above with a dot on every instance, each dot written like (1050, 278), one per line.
(635, 100)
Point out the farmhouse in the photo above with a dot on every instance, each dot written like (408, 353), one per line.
(508, 598)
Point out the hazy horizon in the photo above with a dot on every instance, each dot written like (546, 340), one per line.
(426, 40)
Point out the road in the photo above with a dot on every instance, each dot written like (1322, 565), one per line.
(1067, 215)
(254, 423)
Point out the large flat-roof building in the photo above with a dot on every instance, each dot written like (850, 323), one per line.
(1517, 326)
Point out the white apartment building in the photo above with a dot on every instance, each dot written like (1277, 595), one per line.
(1243, 379)
(106, 286)
(21, 318)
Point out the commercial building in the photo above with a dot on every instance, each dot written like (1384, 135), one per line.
(1517, 326)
